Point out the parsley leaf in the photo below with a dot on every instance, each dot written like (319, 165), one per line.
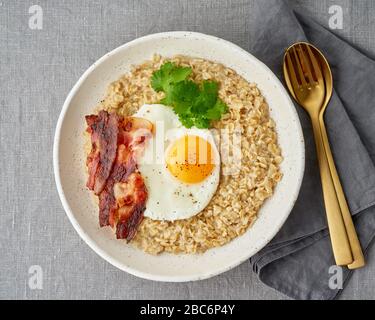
(168, 74)
(182, 93)
(217, 110)
(186, 120)
(196, 105)
(207, 97)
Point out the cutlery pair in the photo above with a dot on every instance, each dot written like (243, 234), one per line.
(309, 80)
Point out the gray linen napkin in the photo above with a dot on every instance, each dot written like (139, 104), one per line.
(297, 260)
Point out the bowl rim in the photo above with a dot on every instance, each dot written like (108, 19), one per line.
(56, 166)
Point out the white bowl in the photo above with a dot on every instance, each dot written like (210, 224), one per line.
(68, 158)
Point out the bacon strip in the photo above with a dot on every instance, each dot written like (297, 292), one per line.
(131, 199)
(125, 165)
(122, 200)
(104, 130)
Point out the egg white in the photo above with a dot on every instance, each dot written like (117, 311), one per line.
(169, 198)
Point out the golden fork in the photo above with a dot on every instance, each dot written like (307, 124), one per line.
(306, 83)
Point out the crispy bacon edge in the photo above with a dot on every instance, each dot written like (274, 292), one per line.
(104, 130)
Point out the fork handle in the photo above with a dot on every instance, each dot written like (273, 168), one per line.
(339, 239)
(359, 260)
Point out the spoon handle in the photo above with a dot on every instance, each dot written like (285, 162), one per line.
(339, 239)
(359, 260)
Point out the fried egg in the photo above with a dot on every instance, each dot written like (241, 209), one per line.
(180, 166)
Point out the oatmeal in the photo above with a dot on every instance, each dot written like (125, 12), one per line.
(239, 196)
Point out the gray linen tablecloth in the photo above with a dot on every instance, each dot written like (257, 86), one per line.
(37, 70)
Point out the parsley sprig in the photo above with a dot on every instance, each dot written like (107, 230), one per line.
(196, 105)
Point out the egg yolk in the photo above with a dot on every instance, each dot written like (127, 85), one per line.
(190, 159)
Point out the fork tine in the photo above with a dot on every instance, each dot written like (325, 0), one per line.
(315, 65)
(299, 67)
(307, 65)
(291, 70)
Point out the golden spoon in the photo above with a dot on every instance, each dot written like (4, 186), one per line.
(355, 245)
(306, 84)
